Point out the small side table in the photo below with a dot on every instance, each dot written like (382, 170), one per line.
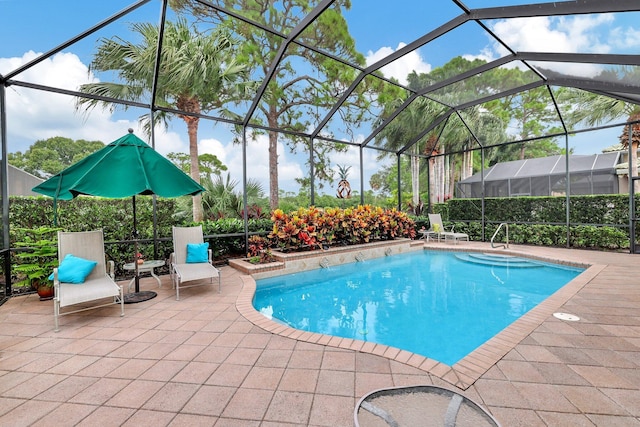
(145, 267)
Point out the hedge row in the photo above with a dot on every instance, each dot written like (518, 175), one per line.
(610, 209)
(115, 218)
(596, 222)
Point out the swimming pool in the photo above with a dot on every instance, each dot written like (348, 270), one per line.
(441, 305)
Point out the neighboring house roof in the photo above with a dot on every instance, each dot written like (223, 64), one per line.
(21, 182)
(544, 166)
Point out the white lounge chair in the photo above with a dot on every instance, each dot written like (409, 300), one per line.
(85, 247)
(435, 220)
(186, 268)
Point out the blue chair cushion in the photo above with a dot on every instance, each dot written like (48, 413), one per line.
(74, 269)
(197, 252)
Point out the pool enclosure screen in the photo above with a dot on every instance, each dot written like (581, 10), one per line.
(302, 86)
(546, 176)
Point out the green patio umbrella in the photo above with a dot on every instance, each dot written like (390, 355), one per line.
(124, 168)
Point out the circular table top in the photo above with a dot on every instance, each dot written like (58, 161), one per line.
(152, 263)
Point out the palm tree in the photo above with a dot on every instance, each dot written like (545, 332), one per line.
(405, 128)
(198, 72)
(222, 200)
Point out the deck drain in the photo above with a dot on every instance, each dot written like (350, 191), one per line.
(566, 316)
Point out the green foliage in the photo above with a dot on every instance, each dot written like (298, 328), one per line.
(38, 259)
(200, 72)
(115, 218)
(223, 198)
(293, 101)
(229, 241)
(591, 209)
(209, 163)
(596, 221)
(46, 157)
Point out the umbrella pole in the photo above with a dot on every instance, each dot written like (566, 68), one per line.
(137, 296)
(135, 245)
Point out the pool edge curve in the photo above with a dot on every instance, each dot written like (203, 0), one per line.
(463, 373)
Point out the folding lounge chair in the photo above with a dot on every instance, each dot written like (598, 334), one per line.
(77, 281)
(448, 236)
(191, 259)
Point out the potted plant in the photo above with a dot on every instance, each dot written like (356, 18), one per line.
(37, 259)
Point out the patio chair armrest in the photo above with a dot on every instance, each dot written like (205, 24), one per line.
(172, 261)
(210, 252)
(111, 269)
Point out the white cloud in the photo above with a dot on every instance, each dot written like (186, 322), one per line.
(485, 54)
(35, 114)
(289, 168)
(625, 38)
(402, 67)
(549, 34)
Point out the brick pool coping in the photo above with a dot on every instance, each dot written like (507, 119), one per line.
(465, 372)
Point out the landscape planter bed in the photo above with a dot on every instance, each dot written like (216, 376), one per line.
(293, 262)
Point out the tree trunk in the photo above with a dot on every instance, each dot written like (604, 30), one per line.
(432, 181)
(192, 105)
(446, 178)
(451, 177)
(192, 129)
(440, 179)
(415, 176)
(467, 165)
(273, 170)
(635, 141)
(272, 119)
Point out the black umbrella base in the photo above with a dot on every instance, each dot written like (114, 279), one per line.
(139, 297)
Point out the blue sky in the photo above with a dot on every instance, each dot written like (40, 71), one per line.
(30, 27)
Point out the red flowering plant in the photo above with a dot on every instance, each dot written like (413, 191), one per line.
(256, 245)
(288, 231)
(310, 228)
(327, 226)
(257, 251)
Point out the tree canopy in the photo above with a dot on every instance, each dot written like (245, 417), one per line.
(46, 157)
(304, 82)
(198, 72)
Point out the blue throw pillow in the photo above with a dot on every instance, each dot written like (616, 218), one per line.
(197, 252)
(74, 269)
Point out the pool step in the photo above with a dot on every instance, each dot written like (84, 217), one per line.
(497, 260)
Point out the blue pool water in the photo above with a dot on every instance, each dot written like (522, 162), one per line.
(441, 305)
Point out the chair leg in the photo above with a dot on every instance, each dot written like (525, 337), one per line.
(56, 313)
(121, 302)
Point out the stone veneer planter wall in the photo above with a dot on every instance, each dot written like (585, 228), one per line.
(302, 261)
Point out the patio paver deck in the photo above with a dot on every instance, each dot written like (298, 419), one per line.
(200, 361)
